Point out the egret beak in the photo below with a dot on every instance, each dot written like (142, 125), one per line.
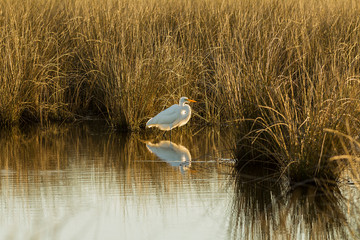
(190, 100)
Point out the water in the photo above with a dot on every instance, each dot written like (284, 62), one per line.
(87, 182)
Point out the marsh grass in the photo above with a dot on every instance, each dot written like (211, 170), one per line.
(283, 70)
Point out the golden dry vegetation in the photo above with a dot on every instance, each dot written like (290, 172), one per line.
(288, 72)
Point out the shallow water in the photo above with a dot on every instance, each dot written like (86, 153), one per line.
(87, 182)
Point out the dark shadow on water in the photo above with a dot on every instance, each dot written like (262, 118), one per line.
(264, 207)
(254, 192)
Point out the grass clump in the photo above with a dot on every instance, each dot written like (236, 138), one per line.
(306, 82)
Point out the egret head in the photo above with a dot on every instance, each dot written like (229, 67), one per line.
(184, 100)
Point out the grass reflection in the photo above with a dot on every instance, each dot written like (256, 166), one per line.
(60, 172)
(265, 208)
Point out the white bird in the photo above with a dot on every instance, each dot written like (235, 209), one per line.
(175, 116)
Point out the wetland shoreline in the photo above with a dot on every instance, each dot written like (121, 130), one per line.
(287, 72)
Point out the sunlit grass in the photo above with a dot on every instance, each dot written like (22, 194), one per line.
(283, 70)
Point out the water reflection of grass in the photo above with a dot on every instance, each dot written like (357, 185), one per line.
(264, 208)
(48, 155)
(61, 172)
(56, 168)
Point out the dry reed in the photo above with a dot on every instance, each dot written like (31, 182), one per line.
(284, 70)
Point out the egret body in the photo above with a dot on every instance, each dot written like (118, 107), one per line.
(175, 116)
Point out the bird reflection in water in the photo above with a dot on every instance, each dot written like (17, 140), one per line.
(174, 154)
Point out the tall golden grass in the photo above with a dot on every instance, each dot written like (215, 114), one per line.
(285, 70)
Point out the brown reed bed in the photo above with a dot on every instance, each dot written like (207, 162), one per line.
(283, 70)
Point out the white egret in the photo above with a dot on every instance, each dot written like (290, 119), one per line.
(175, 116)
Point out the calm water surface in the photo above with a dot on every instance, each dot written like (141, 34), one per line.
(87, 182)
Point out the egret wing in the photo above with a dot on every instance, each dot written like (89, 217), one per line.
(168, 116)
